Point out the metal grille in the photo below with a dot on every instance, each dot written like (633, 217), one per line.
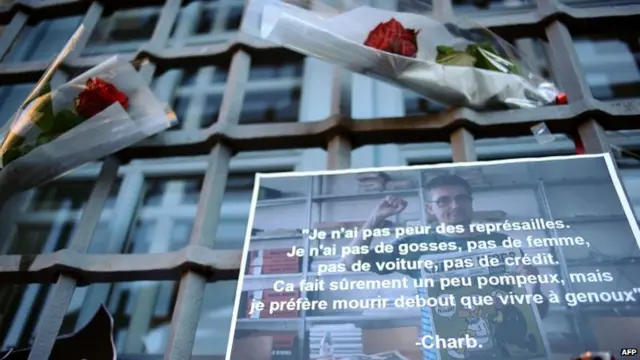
(197, 263)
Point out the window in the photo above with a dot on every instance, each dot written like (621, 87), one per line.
(202, 22)
(415, 104)
(215, 319)
(195, 94)
(165, 215)
(123, 31)
(273, 92)
(45, 225)
(142, 310)
(611, 64)
(42, 40)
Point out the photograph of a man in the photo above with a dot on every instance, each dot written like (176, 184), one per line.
(449, 199)
(525, 259)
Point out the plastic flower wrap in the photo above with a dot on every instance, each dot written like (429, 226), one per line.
(104, 110)
(452, 64)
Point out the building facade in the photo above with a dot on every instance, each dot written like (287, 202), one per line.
(246, 107)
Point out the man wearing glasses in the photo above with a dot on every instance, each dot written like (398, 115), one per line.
(448, 199)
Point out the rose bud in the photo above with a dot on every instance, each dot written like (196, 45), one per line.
(393, 37)
(97, 96)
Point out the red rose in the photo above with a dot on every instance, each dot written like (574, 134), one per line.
(97, 96)
(392, 37)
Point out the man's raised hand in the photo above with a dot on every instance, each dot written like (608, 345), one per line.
(389, 206)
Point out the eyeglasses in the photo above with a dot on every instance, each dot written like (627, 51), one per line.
(445, 201)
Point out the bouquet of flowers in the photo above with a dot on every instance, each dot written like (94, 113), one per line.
(448, 63)
(102, 111)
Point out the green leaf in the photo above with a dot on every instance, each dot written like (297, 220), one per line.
(456, 58)
(444, 50)
(15, 153)
(487, 58)
(41, 108)
(64, 121)
(11, 155)
(45, 138)
(487, 47)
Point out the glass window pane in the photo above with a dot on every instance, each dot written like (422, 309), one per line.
(34, 239)
(180, 106)
(207, 19)
(174, 191)
(70, 194)
(43, 40)
(123, 30)
(234, 18)
(195, 94)
(189, 77)
(22, 307)
(611, 64)
(49, 219)
(138, 308)
(217, 311)
(414, 104)
(192, 189)
(273, 66)
(236, 204)
(154, 191)
(270, 107)
(11, 96)
(221, 74)
(201, 22)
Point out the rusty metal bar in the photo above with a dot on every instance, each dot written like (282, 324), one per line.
(462, 146)
(615, 115)
(100, 268)
(338, 145)
(161, 34)
(593, 137)
(89, 22)
(62, 291)
(187, 309)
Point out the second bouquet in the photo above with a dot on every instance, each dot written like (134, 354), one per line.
(448, 63)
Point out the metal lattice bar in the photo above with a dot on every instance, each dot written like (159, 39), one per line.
(186, 312)
(90, 21)
(161, 34)
(63, 289)
(462, 146)
(103, 268)
(11, 32)
(615, 115)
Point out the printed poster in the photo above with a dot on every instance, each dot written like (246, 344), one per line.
(328, 255)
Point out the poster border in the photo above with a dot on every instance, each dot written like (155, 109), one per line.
(611, 167)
